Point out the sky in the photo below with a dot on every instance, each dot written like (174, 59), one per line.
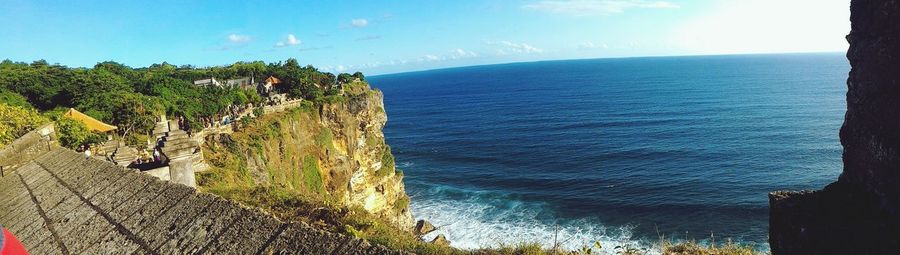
(378, 37)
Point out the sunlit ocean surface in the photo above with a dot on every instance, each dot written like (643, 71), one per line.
(621, 151)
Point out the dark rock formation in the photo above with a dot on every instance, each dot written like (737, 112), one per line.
(423, 227)
(441, 240)
(859, 213)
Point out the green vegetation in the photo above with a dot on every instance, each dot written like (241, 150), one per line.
(387, 162)
(19, 120)
(72, 133)
(694, 248)
(16, 121)
(131, 98)
(325, 139)
(312, 177)
(401, 203)
(12, 98)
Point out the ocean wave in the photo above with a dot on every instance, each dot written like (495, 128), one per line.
(487, 219)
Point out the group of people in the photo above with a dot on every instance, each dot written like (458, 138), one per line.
(86, 149)
(145, 157)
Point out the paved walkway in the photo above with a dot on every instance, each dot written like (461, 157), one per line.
(62, 203)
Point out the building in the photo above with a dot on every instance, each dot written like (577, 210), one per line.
(243, 83)
(269, 85)
(91, 123)
(208, 82)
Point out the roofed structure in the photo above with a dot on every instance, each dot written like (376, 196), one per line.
(91, 123)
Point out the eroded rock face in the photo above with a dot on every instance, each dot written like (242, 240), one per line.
(358, 140)
(335, 150)
(859, 213)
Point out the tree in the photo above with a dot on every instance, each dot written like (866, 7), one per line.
(359, 75)
(16, 121)
(344, 78)
(13, 99)
(72, 133)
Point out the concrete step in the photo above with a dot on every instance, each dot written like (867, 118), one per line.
(125, 155)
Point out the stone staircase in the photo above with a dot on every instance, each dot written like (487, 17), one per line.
(161, 128)
(124, 155)
(117, 152)
(108, 147)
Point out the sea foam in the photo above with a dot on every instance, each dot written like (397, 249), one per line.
(480, 219)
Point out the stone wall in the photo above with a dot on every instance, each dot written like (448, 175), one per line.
(63, 203)
(28, 147)
(859, 213)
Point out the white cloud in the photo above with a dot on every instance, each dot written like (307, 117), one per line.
(595, 7)
(507, 47)
(359, 22)
(766, 26)
(291, 40)
(431, 58)
(236, 38)
(335, 69)
(461, 53)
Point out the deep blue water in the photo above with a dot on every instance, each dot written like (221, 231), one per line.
(616, 150)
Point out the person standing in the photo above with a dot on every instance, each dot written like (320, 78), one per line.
(156, 156)
(87, 151)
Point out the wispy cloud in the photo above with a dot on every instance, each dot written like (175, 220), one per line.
(507, 47)
(289, 41)
(452, 55)
(236, 38)
(461, 53)
(430, 57)
(595, 7)
(359, 22)
(368, 38)
(232, 41)
(591, 45)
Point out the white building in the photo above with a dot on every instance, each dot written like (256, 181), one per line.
(208, 82)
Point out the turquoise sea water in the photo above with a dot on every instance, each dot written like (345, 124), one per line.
(617, 150)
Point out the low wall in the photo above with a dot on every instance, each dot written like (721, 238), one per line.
(28, 147)
(62, 203)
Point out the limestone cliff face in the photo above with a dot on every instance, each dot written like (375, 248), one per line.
(860, 213)
(358, 145)
(335, 150)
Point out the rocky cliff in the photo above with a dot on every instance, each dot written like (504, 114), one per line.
(859, 213)
(334, 151)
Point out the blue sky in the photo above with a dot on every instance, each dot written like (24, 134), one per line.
(396, 36)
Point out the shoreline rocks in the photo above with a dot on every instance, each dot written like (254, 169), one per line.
(423, 227)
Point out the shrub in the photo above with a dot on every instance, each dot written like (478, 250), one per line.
(16, 121)
(312, 178)
(14, 99)
(325, 139)
(73, 133)
(401, 203)
(387, 162)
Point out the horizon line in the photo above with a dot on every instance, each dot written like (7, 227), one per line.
(601, 58)
(465, 66)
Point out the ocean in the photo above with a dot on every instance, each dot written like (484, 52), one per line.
(622, 151)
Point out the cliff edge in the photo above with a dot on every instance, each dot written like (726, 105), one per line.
(857, 214)
(332, 151)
